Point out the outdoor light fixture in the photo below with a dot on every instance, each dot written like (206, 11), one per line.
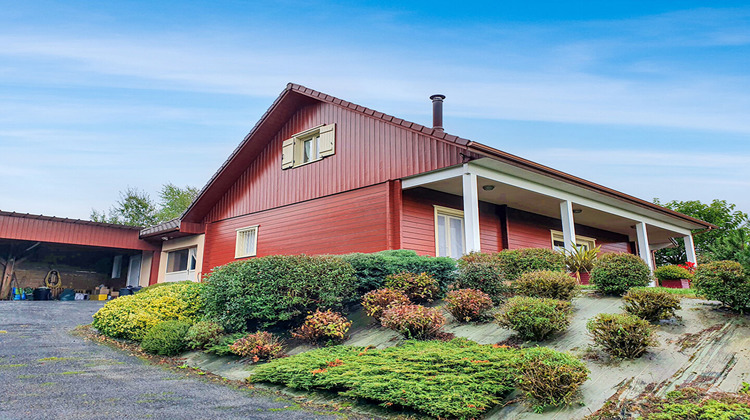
(488, 187)
(577, 211)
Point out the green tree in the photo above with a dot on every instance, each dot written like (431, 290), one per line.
(720, 213)
(136, 208)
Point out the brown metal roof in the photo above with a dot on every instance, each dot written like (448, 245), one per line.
(66, 220)
(295, 95)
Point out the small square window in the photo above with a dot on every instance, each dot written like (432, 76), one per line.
(308, 146)
(247, 242)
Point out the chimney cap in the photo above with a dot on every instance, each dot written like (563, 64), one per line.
(437, 96)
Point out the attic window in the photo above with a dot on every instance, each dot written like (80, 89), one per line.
(309, 146)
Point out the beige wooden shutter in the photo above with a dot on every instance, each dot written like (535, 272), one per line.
(287, 154)
(327, 140)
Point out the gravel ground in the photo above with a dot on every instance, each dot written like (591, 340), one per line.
(47, 373)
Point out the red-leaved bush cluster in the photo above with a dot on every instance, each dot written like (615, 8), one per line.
(323, 325)
(468, 304)
(414, 321)
(258, 346)
(377, 301)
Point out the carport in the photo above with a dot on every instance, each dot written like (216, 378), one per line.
(84, 254)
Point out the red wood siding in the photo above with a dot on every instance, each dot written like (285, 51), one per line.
(54, 230)
(368, 151)
(418, 223)
(354, 221)
(529, 230)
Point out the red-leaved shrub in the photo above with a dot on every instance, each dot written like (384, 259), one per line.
(258, 346)
(420, 287)
(468, 304)
(330, 326)
(414, 321)
(377, 301)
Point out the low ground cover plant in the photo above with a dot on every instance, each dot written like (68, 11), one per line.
(279, 289)
(131, 317)
(547, 284)
(323, 326)
(203, 334)
(623, 336)
(258, 346)
(616, 273)
(651, 305)
(455, 379)
(377, 301)
(535, 318)
(372, 269)
(414, 321)
(468, 305)
(418, 288)
(549, 377)
(166, 338)
(484, 272)
(726, 282)
(222, 346)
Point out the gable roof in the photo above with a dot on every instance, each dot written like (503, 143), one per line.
(295, 96)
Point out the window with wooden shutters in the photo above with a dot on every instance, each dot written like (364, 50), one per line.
(308, 146)
(247, 242)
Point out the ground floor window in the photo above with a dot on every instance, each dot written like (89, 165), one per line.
(247, 242)
(181, 264)
(449, 232)
(558, 243)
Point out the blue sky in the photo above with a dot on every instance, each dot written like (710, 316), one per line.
(650, 98)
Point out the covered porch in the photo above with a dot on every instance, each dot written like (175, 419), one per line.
(647, 226)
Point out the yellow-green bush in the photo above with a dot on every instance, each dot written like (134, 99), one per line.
(132, 316)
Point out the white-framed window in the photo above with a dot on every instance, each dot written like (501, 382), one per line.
(308, 146)
(181, 260)
(558, 243)
(449, 232)
(247, 242)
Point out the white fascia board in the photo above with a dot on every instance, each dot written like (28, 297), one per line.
(434, 176)
(536, 187)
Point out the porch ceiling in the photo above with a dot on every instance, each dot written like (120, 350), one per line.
(521, 199)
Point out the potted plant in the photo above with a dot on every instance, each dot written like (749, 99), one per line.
(673, 276)
(580, 261)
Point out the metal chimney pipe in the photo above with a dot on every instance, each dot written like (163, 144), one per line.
(437, 111)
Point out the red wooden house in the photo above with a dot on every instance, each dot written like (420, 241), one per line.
(320, 175)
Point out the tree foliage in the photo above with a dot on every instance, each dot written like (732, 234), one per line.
(731, 223)
(137, 208)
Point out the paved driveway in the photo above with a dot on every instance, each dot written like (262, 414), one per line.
(47, 373)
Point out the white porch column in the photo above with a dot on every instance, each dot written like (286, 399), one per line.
(471, 210)
(690, 249)
(643, 250)
(568, 225)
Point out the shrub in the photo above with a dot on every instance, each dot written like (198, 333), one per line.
(414, 321)
(548, 284)
(455, 379)
(580, 259)
(258, 346)
(672, 272)
(131, 316)
(276, 289)
(651, 305)
(203, 334)
(372, 269)
(615, 273)
(328, 325)
(549, 377)
(377, 301)
(724, 281)
(622, 335)
(535, 318)
(417, 287)
(482, 272)
(222, 347)
(166, 338)
(468, 304)
(516, 262)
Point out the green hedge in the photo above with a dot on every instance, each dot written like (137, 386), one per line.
(372, 269)
(516, 262)
(726, 282)
(261, 292)
(166, 338)
(615, 274)
(132, 316)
